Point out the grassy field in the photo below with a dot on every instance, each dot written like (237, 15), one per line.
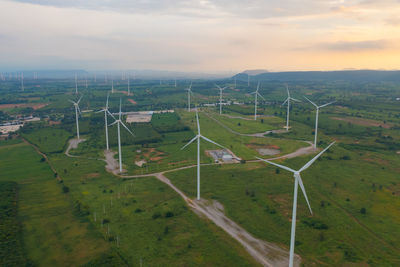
(339, 233)
(12, 251)
(52, 234)
(150, 220)
(49, 140)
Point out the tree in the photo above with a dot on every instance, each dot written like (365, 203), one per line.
(363, 210)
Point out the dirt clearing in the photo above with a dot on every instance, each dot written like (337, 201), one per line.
(364, 122)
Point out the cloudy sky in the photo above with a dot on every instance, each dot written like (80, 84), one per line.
(200, 35)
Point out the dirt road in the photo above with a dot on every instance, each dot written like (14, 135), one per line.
(73, 144)
(267, 254)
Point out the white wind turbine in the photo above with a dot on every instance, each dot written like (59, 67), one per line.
(220, 97)
(316, 118)
(76, 105)
(22, 81)
(76, 84)
(197, 137)
(119, 122)
(288, 106)
(297, 182)
(105, 110)
(129, 89)
(256, 93)
(189, 92)
(112, 86)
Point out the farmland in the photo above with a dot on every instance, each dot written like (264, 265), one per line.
(69, 210)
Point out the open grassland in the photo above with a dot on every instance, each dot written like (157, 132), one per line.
(52, 235)
(340, 233)
(249, 125)
(12, 251)
(145, 219)
(49, 140)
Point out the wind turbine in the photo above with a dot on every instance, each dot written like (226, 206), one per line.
(288, 106)
(256, 93)
(129, 89)
(175, 82)
(220, 97)
(248, 80)
(76, 105)
(76, 85)
(189, 92)
(297, 182)
(86, 81)
(22, 81)
(112, 86)
(119, 122)
(105, 110)
(197, 137)
(316, 118)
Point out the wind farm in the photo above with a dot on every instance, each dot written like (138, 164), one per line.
(199, 134)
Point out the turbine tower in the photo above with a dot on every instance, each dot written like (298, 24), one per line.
(129, 89)
(316, 118)
(105, 110)
(119, 122)
(175, 82)
(112, 86)
(197, 137)
(256, 93)
(76, 85)
(248, 80)
(22, 81)
(189, 92)
(76, 105)
(288, 106)
(220, 97)
(297, 182)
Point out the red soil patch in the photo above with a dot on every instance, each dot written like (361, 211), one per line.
(54, 122)
(364, 122)
(35, 106)
(132, 101)
(92, 175)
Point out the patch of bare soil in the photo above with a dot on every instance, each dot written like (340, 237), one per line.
(111, 163)
(73, 144)
(132, 101)
(93, 175)
(35, 106)
(364, 122)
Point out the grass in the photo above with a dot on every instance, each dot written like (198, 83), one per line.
(12, 251)
(49, 140)
(51, 233)
(151, 221)
(260, 200)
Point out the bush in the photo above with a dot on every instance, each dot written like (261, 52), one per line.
(156, 215)
(169, 214)
(65, 189)
(363, 210)
(315, 224)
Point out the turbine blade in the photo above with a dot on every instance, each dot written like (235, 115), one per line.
(123, 124)
(260, 95)
(111, 114)
(211, 141)
(71, 101)
(120, 104)
(113, 123)
(79, 110)
(315, 158)
(294, 99)
(258, 86)
(101, 111)
(79, 99)
(287, 89)
(191, 141)
(217, 86)
(298, 177)
(190, 87)
(287, 99)
(277, 165)
(324, 105)
(311, 102)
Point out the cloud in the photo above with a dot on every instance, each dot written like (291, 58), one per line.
(392, 21)
(355, 46)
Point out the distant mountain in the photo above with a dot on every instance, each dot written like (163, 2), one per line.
(343, 75)
(254, 72)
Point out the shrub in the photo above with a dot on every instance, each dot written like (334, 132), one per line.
(169, 214)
